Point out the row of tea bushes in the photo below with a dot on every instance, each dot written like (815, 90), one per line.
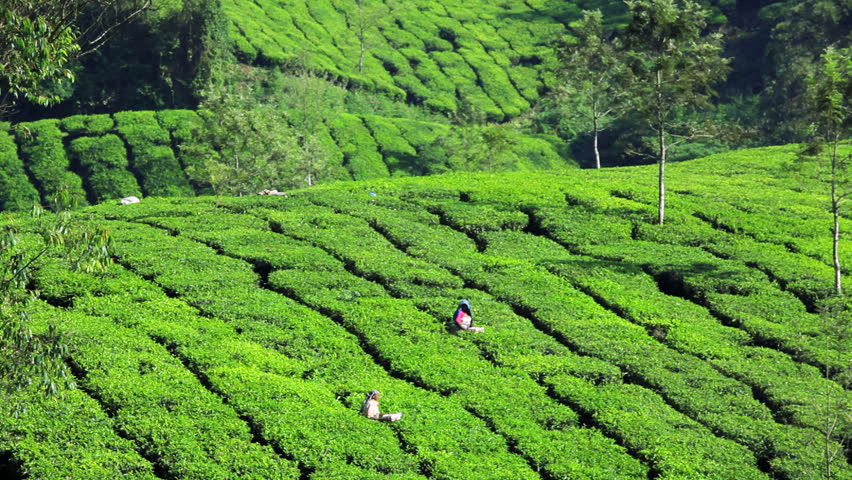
(104, 167)
(497, 60)
(689, 397)
(683, 381)
(796, 392)
(262, 385)
(445, 448)
(351, 253)
(668, 430)
(152, 156)
(445, 373)
(182, 428)
(105, 157)
(741, 295)
(44, 157)
(16, 191)
(326, 289)
(71, 437)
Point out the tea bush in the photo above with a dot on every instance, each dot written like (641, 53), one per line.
(44, 157)
(16, 191)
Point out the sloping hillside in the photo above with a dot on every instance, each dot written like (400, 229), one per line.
(493, 55)
(236, 337)
(105, 157)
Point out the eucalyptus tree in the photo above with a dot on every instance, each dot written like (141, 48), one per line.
(829, 101)
(39, 39)
(593, 75)
(366, 18)
(674, 67)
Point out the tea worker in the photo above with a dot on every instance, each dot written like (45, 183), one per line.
(370, 408)
(463, 317)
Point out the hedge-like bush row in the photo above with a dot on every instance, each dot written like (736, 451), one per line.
(444, 251)
(360, 151)
(104, 164)
(796, 392)
(46, 161)
(87, 124)
(684, 381)
(71, 438)
(400, 156)
(547, 251)
(151, 155)
(742, 295)
(455, 373)
(445, 448)
(16, 191)
(176, 423)
(259, 383)
(133, 153)
(339, 285)
(403, 47)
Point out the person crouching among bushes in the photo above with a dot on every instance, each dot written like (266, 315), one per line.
(463, 318)
(370, 408)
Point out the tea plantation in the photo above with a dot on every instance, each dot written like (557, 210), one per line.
(235, 338)
(110, 156)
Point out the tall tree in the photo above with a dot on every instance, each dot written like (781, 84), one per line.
(593, 74)
(365, 19)
(802, 30)
(241, 146)
(829, 101)
(675, 67)
(38, 40)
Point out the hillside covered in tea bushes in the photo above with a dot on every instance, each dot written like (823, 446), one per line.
(99, 158)
(236, 337)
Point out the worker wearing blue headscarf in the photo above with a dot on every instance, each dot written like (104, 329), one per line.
(463, 317)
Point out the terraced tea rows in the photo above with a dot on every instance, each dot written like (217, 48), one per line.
(100, 158)
(235, 338)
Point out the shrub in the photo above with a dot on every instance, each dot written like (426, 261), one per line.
(16, 191)
(87, 124)
(45, 159)
(104, 164)
(151, 156)
(399, 155)
(360, 151)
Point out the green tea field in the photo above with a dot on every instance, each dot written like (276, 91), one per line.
(235, 338)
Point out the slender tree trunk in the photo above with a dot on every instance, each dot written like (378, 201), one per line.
(661, 130)
(838, 287)
(361, 54)
(661, 214)
(835, 210)
(595, 129)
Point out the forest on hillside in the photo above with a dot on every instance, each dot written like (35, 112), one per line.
(473, 65)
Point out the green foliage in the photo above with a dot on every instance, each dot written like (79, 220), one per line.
(41, 144)
(35, 360)
(488, 148)
(688, 350)
(151, 156)
(417, 52)
(16, 191)
(360, 152)
(35, 47)
(87, 124)
(104, 166)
